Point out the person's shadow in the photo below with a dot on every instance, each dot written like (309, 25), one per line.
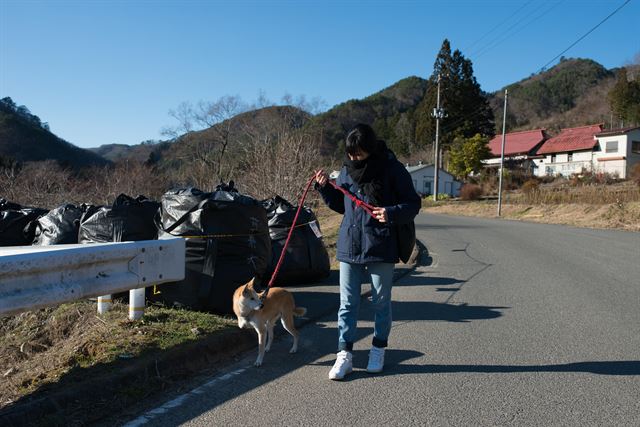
(395, 365)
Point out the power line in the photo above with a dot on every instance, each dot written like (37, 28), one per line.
(517, 30)
(513, 25)
(587, 33)
(498, 25)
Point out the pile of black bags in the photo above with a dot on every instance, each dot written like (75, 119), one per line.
(230, 239)
(227, 241)
(306, 259)
(128, 219)
(59, 226)
(17, 223)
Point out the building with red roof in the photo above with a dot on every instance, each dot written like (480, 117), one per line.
(519, 148)
(589, 148)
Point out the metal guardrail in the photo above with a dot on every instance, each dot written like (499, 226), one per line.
(33, 277)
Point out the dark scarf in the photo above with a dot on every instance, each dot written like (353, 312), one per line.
(368, 174)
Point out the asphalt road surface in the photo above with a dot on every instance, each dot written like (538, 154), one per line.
(505, 323)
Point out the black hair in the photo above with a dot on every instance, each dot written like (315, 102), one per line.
(361, 138)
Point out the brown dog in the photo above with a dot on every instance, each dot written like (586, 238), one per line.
(262, 314)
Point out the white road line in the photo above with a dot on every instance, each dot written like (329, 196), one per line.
(182, 399)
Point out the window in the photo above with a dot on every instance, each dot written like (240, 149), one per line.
(612, 147)
(635, 147)
(570, 157)
(553, 158)
(427, 187)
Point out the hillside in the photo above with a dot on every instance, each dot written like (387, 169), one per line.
(24, 138)
(264, 124)
(390, 103)
(146, 151)
(572, 93)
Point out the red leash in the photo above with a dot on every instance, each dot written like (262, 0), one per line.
(286, 243)
(365, 206)
(359, 203)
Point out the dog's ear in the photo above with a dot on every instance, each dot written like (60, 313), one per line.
(251, 283)
(245, 291)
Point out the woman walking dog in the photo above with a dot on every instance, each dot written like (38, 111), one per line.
(367, 246)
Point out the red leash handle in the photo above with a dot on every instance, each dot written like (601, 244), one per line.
(359, 203)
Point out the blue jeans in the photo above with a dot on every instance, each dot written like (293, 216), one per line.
(351, 278)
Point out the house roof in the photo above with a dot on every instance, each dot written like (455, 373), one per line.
(517, 142)
(572, 139)
(619, 131)
(415, 168)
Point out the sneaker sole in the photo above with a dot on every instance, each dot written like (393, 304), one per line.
(342, 377)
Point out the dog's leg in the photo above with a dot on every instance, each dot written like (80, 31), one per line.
(270, 325)
(287, 323)
(262, 336)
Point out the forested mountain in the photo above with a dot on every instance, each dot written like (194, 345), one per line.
(573, 93)
(146, 151)
(390, 111)
(23, 137)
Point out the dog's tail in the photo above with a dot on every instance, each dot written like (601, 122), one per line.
(299, 311)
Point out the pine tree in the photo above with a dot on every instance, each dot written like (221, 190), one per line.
(624, 98)
(466, 105)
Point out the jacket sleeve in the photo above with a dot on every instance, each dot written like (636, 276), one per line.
(408, 202)
(332, 197)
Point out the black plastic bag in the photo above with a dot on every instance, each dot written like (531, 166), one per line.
(17, 223)
(227, 245)
(128, 219)
(306, 259)
(59, 226)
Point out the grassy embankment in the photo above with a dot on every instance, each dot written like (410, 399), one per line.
(594, 206)
(40, 347)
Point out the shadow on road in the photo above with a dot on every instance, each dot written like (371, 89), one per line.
(394, 366)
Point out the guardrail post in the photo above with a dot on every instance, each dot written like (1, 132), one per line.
(136, 303)
(104, 304)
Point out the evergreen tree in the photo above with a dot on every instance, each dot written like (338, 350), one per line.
(624, 98)
(466, 105)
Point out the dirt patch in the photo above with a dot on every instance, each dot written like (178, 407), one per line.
(624, 216)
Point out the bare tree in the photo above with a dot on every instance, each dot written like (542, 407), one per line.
(207, 130)
(280, 166)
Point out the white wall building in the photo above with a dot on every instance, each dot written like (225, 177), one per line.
(590, 148)
(618, 150)
(422, 176)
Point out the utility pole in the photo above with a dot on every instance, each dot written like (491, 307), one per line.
(504, 124)
(438, 113)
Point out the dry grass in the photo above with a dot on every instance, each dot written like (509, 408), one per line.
(625, 216)
(330, 225)
(38, 347)
(625, 192)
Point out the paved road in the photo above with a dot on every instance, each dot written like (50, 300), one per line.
(511, 323)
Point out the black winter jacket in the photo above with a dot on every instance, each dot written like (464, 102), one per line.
(363, 239)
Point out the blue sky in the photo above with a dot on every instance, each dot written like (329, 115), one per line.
(109, 71)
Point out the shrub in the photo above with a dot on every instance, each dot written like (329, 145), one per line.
(470, 192)
(635, 173)
(530, 186)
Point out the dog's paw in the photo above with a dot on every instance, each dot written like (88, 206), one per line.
(258, 363)
(293, 350)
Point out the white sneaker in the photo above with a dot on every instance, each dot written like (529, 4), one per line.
(376, 360)
(342, 367)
